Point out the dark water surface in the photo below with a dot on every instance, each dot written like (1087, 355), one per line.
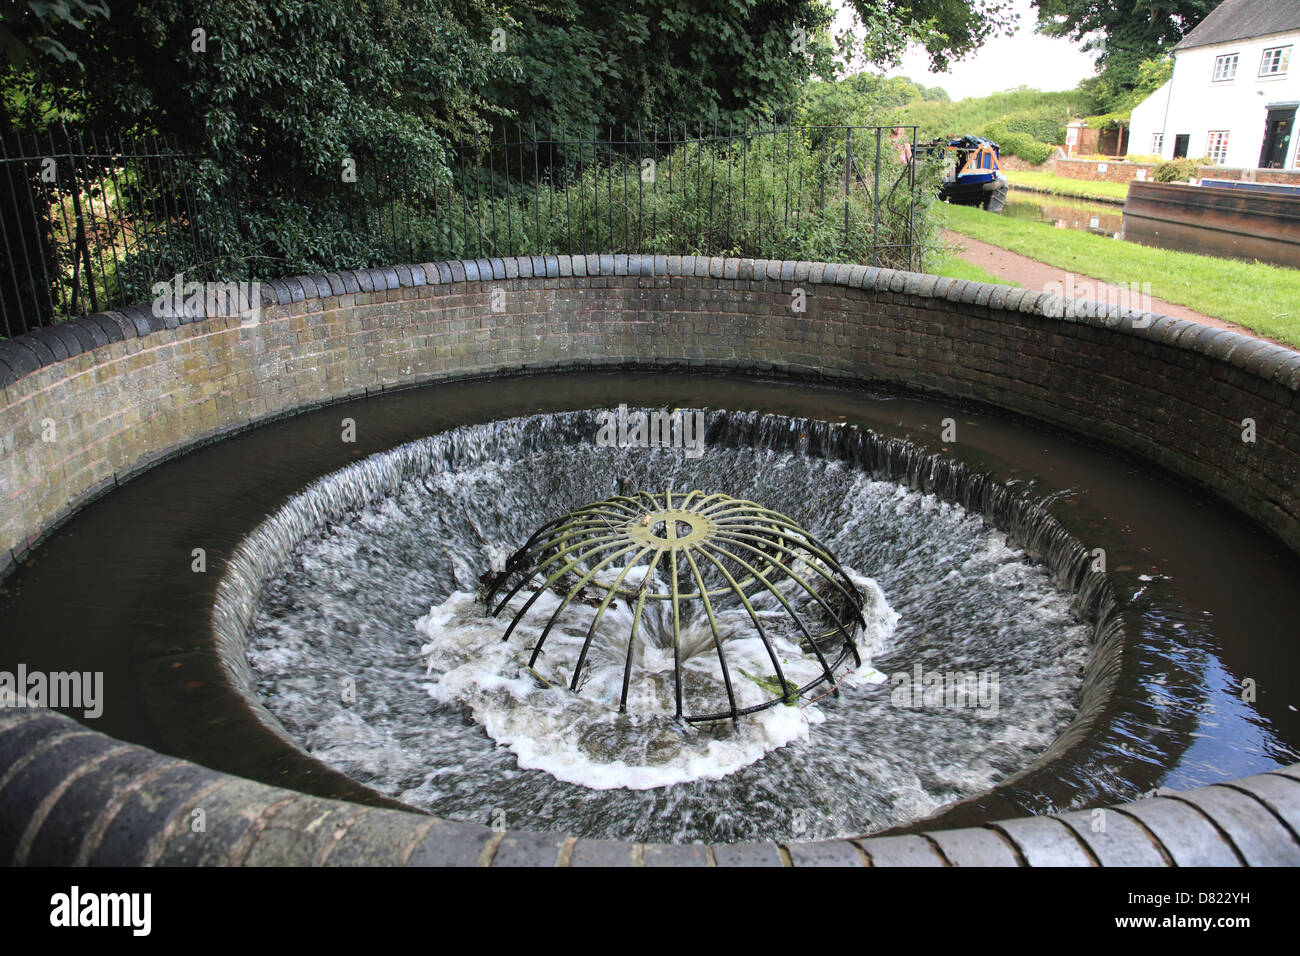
(1209, 594)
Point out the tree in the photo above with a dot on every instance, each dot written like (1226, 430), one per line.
(285, 99)
(948, 29)
(27, 28)
(1124, 33)
(589, 62)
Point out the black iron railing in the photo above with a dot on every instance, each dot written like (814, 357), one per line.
(93, 223)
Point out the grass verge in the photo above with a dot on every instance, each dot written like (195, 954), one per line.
(1060, 186)
(1261, 297)
(945, 263)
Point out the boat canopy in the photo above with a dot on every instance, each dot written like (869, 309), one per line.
(984, 159)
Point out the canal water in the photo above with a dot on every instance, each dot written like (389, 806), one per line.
(1103, 219)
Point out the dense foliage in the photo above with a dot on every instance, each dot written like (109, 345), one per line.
(319, 121)
(1127, 35)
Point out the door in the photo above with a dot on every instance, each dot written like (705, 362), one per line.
(1277, 138)
(1180, 145)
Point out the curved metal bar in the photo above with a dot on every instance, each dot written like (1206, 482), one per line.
(533, 571)
(783, 525)
(855, 603)
(839, 624)
(677, 629)
(717, 640)
(590, 539)
(854, 599)
(729, 501)
(560, 533)
(631, 637)
(546, 586)
(582, 581)
(758, 626)
(600, 611)
(821, 658)
(625, 502)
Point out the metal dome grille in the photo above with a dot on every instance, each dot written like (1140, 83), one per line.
(700, 554)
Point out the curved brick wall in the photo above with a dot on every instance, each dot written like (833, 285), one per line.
(124, 390)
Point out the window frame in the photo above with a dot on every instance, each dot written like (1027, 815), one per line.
(1157, 144)
(1225, 77)
(1283, 61)
(1221, 149)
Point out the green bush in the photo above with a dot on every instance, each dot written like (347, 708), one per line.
(1018, 144)
(776, 200)
(1175, 171)
(1043, 129)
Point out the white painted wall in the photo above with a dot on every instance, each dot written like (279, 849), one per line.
(1193, 103)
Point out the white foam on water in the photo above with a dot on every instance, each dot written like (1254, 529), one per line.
(394, 537)
(581, 737)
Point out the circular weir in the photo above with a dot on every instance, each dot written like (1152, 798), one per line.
(1039, 613)
(588, 679)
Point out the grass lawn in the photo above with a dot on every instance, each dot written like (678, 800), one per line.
(1079, 188)
(1261, 297)
(946, 264)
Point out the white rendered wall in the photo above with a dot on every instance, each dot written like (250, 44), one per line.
(1193, 103)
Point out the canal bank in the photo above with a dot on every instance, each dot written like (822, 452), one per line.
(1012, 267)
(1258, 297)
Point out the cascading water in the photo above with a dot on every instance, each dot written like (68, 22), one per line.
(368, 644)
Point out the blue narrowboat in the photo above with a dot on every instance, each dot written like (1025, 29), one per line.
(972, 174)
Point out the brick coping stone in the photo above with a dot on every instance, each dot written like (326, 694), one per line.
(72, 796)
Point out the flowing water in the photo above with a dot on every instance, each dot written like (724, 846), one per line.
(370, 648)
(1204, 689)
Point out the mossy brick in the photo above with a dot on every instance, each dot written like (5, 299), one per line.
(523, 848)
(143, 816)
(58, 840)
(449, 843)
(301, 833)
(906, 850)
(974, 846)
(378, 838)
(603, 853)
(747, 854)
(25, 784)
(825, 853)
(1114, 839)
(674, 854)
(1256, 833)
(226, 813)
(1187, 837)
(1044, 841)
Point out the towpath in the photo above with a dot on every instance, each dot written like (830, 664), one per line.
(1033, 274)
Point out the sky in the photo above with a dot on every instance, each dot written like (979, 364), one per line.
(1025, 58)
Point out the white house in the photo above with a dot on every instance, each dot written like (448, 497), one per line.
(1234, 91)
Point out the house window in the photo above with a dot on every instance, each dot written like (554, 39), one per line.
(1275, 61)
(1157, 144)
(1225, 67)
(1218, 146)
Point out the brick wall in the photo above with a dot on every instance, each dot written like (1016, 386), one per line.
(142, 388)
(1286, 177)
(1087, 169)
